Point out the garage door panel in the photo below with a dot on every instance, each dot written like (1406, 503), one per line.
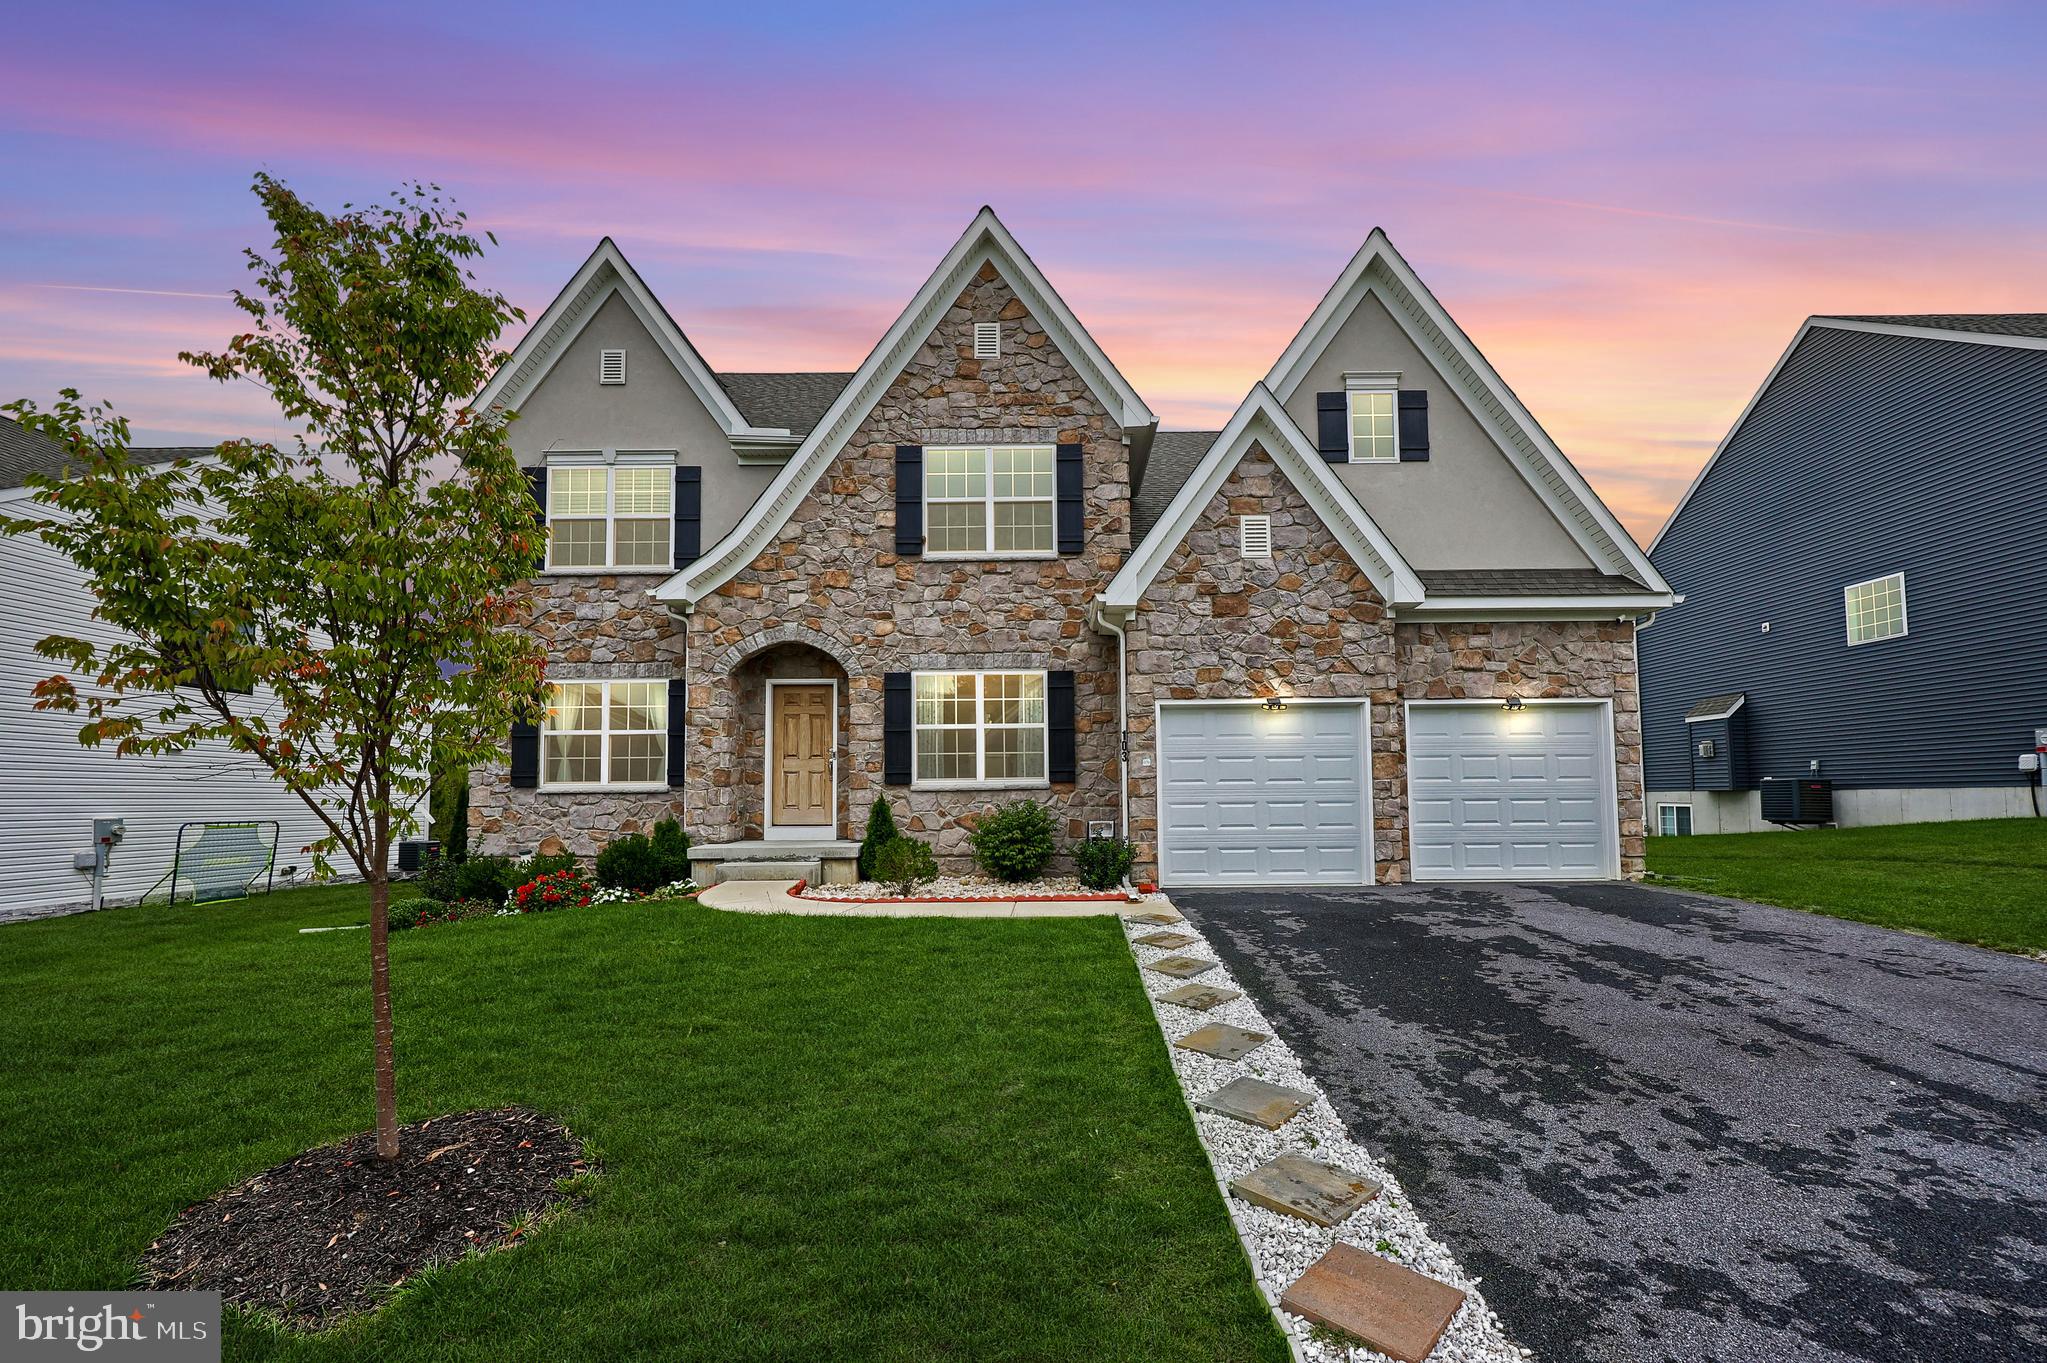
(1510, 794)
(1250, 796)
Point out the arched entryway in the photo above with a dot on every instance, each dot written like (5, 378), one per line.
(792, 700)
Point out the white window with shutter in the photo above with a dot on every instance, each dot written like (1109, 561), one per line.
(611, 514)
(987, 340)
(1254, 536)
(611, 366)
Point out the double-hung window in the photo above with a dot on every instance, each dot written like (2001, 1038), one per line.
(605, 733)
(1371, 427)
(618, 515)
(1876, 609)
(989, 499)
(980, 726)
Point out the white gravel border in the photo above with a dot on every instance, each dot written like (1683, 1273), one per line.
(1282, 1247)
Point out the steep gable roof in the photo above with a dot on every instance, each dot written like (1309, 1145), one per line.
(791, 401)
(1174, 457)
(1380, 270)
(607, 273)
(1262, 419)
(2033, 324)
(986, 241)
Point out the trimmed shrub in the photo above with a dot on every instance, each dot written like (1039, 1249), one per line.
(1015, 842)
(1103, 862)
(404, 913)
(631, 863)
(488, 878)
(671, 846)
(541, 864)
(440, 878)
(881, 831)
(903, 864)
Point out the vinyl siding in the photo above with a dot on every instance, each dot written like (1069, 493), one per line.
(51, 788)
(1868, 454)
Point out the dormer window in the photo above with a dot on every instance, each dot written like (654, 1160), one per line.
(611, 366)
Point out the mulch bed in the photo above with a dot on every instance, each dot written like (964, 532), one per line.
(330, 1233)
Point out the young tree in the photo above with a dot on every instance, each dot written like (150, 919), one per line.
(299, 604)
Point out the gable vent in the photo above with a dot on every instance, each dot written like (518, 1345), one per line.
(1254, 536)
(987, 340)
(611, 366)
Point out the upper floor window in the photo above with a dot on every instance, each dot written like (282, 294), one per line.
(1371, 427)
(989, 499)
(605, 733)
(980, 726)
(1876, 609)
(610, 515)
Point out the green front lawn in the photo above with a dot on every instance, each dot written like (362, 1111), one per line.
(1981, 881)
(822, 1138)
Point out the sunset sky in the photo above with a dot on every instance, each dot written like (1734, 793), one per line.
(1629, 207)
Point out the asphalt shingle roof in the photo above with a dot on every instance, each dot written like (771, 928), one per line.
(794, 401)
(1983, 323)
(1526, 582)
(1174, 457)
(1716, 707)
(23, 452)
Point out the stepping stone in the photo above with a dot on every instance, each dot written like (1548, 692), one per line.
(1222, 1041)
(1392, 1309)
(1200, 997)
(1255, 1101)
(1306, 1188)
(1181, 967)
(1169, 941)
(1156, 916)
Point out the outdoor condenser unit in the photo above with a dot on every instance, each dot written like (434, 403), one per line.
(1799, 799)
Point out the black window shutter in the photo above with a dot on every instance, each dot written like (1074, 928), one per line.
(678, 693)
(1332, 427)
(909, 502)
(1414, 425)
(1061, 760)
(895, 729)
(526, 755)
(537, 478)
(689, 515)
(1071, 520)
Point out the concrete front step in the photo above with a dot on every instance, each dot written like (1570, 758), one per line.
(770, 870)
(1389, 1307)
(821, 861)
(1309, 1189)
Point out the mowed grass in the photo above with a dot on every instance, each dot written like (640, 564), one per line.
(821, 1138)
(1982, 881)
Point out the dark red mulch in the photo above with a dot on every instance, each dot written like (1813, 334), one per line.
(329, 1233)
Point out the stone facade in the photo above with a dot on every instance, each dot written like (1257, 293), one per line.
(833, 594)
(1308, 622)
(592, 625)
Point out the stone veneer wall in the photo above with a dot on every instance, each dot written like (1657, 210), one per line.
(593, 626)
(1308, 622)
(834, 580)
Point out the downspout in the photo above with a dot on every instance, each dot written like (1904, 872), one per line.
(1104, 623)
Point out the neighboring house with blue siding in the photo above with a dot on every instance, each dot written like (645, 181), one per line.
(1861, 569)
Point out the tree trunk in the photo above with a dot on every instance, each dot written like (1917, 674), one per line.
(380, 1011)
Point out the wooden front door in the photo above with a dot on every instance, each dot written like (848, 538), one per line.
(800, 791)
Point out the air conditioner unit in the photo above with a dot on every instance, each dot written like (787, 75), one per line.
(1798, 800)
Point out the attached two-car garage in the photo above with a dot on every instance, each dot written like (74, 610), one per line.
(1254, 796)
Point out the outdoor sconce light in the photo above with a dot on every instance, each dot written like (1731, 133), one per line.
(1275, 702)
(1512, 703)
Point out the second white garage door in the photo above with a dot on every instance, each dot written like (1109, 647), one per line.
(1249, 796)
(1526, 794)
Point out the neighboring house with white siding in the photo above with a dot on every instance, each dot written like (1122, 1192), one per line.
(51, 788)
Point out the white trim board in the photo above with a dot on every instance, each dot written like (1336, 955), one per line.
(1378, 269)
(1261, 418)
(986, 241)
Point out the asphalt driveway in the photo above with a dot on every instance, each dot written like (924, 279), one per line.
(1671, 1126)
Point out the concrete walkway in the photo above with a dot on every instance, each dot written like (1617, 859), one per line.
(772, 896)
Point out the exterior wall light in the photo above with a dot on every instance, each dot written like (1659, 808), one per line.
(1512, 703)
(1275, 702)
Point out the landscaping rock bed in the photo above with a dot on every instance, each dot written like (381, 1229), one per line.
(1282, 1247)
(946, 889)
(331, 1232)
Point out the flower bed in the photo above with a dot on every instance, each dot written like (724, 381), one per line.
(952, 889)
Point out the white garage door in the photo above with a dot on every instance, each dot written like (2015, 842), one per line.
(1525, 794)
(1249, 796)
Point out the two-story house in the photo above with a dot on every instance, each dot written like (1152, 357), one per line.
(1862, 576)
(1377, 628)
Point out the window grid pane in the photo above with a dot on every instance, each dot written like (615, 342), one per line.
(576, 544)
(1876, 610)
(1022, 526)
(1371, 427)
(575, 492)
(641, 543)
(645, 491)
(957, 527)
(606, 733)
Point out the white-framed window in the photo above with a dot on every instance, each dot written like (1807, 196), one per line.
(611, 515)
(1674, 821)
(1875, 609)
(1254, 536)
(1372, 439)
(605, 733)
(979, 727)
(989, 500)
